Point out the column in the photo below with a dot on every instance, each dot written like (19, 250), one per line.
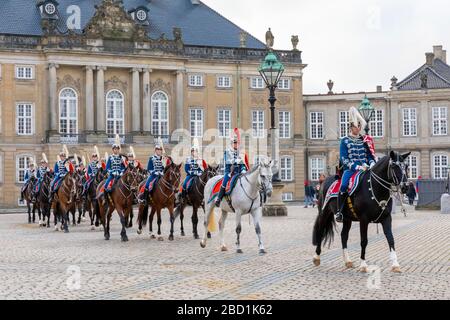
(101, 120)
(180, 100)
(146, 108)
(89, 98)
(135, 102)
(53, 96)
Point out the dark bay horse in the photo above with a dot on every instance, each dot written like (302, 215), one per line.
(64, 201)
(42, 199)
(194, 198)
(91, 198)
(30, 199)
(371, 202)
(120, 199)
(163, 196)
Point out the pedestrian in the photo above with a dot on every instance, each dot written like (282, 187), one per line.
(411, 193)
(307, 193)
(312, 193)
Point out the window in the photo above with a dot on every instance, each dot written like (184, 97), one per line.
(68, 112)
(114, 113)
(160, 114)
(22, 164)
(316, 125)
(258, 123)
(286, 169)
(224, 82)
(24, 119)
(224, 122)
(284, 84)
(439, 121)
(257, 83)
(317, 168)
(284, 118)
(344, 125)
(376, 124)
(409, 122)
(287, 196)
(440, 166)
(24, 72)
(196, 80)
(413, 168)
(196, 122)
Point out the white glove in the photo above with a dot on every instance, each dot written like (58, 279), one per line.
(372, 164)
(361, 168)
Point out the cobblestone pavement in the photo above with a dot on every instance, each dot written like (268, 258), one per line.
(34, 262)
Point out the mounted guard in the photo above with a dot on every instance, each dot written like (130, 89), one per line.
(115, 166)
(357, 153)
(92, 170)
(30, 175)
(132, 161)
(235, 163)
(61, 171)
(155, 168)
(194, 167)
(42, 171)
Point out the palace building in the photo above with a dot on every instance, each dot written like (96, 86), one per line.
(78, 72)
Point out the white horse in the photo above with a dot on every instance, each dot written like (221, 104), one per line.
(245, 198)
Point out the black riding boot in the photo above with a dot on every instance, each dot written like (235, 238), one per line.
(143, 197)
(21, 196)
(342, 196)
(220, 196)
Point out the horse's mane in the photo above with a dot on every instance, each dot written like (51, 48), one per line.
(254, 168)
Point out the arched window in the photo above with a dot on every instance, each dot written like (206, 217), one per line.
(114, 113)
(160, 114)
(68, 112)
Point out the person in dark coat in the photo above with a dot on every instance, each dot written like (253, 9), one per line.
(411, 193)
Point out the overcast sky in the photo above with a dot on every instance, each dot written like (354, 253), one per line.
(359, 44)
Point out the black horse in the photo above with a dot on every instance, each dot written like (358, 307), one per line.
(371, 202)
(42, 199)
(195, 198)
(90, 200)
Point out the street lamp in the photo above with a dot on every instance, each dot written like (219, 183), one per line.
(367, 110)
(271, 71)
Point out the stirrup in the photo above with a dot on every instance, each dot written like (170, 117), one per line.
(339, 217)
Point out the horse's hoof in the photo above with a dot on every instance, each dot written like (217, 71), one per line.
(107, 238)
(93, 228)
(223, 248)
(202, 244)
(124, 239)
(160, 238)
(66, 231)
(182, 233)
(316, 261)
(209, 235)
(139, 231)
(363, 269)
(152, 236)
(396, 269)
(171, 238)
(239, 251)
(262, 251)
(349, 264)
(83, 219)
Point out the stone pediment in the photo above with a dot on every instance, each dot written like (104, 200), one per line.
(111, 21)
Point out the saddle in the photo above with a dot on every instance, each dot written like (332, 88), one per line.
(190, 182)
(333, 190)
(228, 189)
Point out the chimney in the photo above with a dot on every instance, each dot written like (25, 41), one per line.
(439, 53)
(429, 58)
(379, 89)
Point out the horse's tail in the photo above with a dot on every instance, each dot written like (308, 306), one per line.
(212, 226)
(324, 225)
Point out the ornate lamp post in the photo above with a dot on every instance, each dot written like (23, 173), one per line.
(367, 110)
(271, 71)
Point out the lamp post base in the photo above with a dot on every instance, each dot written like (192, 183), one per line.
(275, 206)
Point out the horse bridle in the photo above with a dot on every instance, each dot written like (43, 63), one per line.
(129, 186)
(262, 187)
(167, 184)
(386, 184)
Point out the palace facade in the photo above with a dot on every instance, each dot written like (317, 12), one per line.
(80, 72)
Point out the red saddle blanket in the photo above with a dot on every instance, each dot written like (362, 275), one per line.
(228, 189)
(333, 190)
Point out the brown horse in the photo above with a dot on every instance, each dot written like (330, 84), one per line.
(42, 199)
(194, 197)
(120, 199)
(90, 202)
(163, 196)
(65, 200)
